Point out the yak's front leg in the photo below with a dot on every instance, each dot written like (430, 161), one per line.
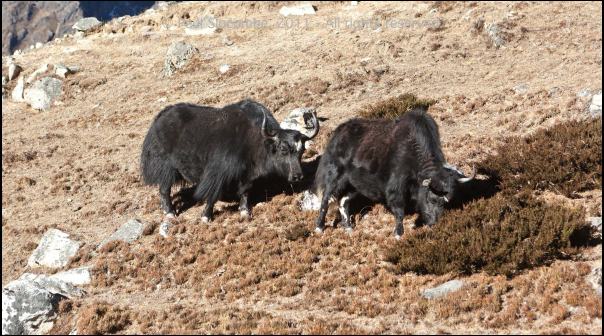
(397, 205)
(166, 201)
(244, 208)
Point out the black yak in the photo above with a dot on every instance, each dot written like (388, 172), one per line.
(219, 149)
(397, 162)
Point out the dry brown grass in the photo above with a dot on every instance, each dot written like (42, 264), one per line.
(394, 107)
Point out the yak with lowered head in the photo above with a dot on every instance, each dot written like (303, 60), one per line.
(399, 163)
(219, 149)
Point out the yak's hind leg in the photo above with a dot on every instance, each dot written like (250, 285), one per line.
(166, 200)
(243, 191)
(344, 208)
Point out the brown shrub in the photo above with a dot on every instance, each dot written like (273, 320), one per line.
(501, 235)
(102, 318)
(566, 158)
(394, 107)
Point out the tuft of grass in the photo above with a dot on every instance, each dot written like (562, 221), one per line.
(501, 235)
(297, 232)
(394, 107)
(102, 318)
(565, 159)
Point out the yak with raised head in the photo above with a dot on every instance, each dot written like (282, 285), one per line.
(218, 149)
(396, 162)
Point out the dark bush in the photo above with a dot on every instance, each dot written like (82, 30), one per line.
(565, 159)
(394, 107)
(500, 235)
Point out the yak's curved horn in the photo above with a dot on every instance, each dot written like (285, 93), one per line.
(265, 132)
(315, 123)
(468, 179)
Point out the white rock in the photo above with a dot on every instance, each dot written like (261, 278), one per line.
(128, 232)
(224, 68)
(302, 9)
(595, 279)
(55, 250)
(310, 202)
(29, 304)
(164, 227)
(177, 56)
(13, 71)
(444, 289)
(521, 89)
(17, 94)
(42, 69)
(595, 108)
(62, 70)
(87, 24)
(76, 277)
(43, 93)
(39, 45)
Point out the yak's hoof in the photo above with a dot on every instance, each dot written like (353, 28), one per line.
(170, 215)
(349, 230)
(318, 230)
(205, 219)
(244, 214)
(397, 237)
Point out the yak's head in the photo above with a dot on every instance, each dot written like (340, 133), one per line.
(438, 190)
(285, 149)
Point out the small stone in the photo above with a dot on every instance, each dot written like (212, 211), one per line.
(17, 94)
(55, 250)
(224, 68)
(87, 24)
(310, 202)
(163, 229)
(584, 93)
(13, 71)
(128, 232)
(39, 45)
(303, 9)
(521, 89)
(227, 41)
(444, 289)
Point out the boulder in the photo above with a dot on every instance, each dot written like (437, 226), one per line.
(43, 93)
(128, 232)
(595, 108)
(76, 277)
(496, 34)
(178, 54)
(299, 119)
(13, 71)
(62, 70)
(17, 94)
(444, 289)
(30, 303)
(87, 24)
(55, 250)
(302, 9)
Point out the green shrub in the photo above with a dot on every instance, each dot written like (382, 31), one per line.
(394, 107)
